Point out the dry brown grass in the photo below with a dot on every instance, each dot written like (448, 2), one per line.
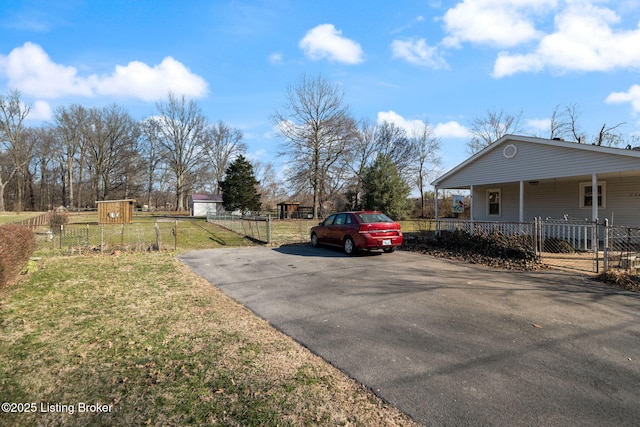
(159, 345)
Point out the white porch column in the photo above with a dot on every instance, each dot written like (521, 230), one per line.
(471, 209)
(436, 207)
(471, 206)
(594, 197)
(521, 209)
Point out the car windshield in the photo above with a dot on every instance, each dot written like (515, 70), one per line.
(369, 218)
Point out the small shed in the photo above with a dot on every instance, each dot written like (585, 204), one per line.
(287, 209)
(115, 211)
(202, 204)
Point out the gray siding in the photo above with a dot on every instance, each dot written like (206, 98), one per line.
(556, 198)
(535, 161)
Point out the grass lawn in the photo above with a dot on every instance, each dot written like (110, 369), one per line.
(147, 342)
(9, 217)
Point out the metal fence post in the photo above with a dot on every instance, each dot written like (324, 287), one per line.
(269, 230)
(606, 244)
(596, 244)
(535, 236)
(158, 235)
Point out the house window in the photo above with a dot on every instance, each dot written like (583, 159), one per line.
(493, 202)
(586, 195)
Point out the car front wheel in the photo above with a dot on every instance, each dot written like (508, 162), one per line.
(348, 246)
(314, 240)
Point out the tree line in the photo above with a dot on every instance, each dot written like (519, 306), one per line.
(84, 155)
(333, 161)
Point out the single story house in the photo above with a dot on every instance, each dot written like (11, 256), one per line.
(519, 178)
(201, 204)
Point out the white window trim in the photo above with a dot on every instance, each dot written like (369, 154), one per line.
(601, 184)
(499, 191)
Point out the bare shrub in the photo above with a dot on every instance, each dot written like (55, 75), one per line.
(57, 220)
(17, 244)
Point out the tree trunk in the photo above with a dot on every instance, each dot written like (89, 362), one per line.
(2, 187)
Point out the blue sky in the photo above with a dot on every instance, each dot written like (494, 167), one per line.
(407, 60)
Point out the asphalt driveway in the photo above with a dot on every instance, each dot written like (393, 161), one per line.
(450, 343)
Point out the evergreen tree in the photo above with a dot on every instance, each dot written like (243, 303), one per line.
(386, 191)
(239, 187)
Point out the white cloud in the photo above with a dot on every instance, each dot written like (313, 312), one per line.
(539, 124)
(504, 23)
(450, 129)
(30, 69)
(418, 52)
(139, 80)
(276, 58)
(40, 111)
(585, 40)
(632, 96)
(324, 41)
(398, 120)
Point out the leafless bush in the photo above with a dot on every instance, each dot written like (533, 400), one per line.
(57, 220)
(17, 244)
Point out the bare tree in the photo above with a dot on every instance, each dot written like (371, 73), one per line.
(13, 112)
(559, 126)
(150, 148)
(362, 153)
(427, 158)
(271, 191)
(182, 133)
(573, 115)
(608, 136)
(45, 156)
(21, 156)
(111, 137)
(70, 123)
(317, 128)
(393, 141)
(383, 138)
(222, 146)
(487, 130)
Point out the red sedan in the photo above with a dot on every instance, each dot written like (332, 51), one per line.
(358, 230)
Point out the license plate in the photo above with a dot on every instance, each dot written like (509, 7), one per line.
(386, 242)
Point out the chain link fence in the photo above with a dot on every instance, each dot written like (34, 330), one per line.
(257, 228)
(578, 245)
(100, 238)
(265, 228)
(622, 247)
